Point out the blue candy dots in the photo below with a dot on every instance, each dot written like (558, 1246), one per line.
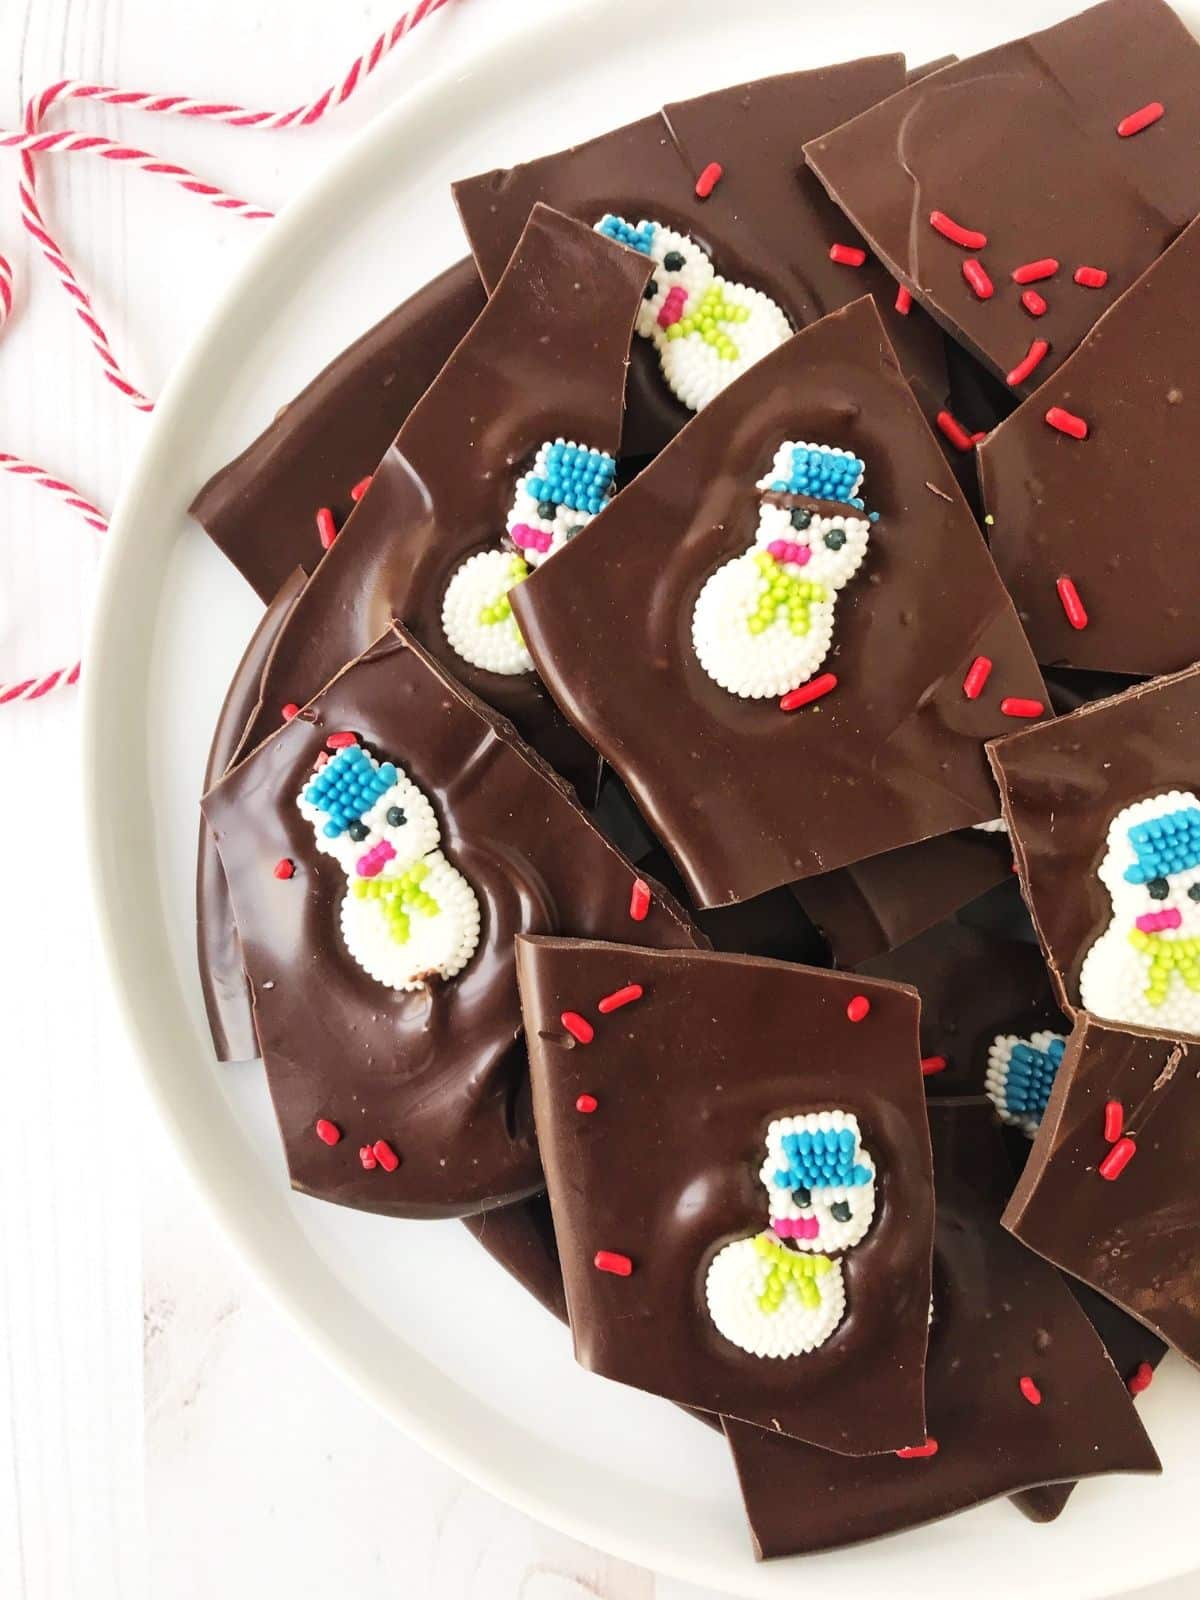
(575, 477)
(822, 1158)
(823, 473)
(1164, 845)
(347, 787)
(1031, 1075)
(640, 238)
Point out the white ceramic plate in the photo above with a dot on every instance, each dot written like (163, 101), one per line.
(414, 1313)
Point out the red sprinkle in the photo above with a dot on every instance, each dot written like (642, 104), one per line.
(903, 300)
(956, 233)
(1118, 1158)
(612, 1261)
(1141, 1379)
(322, 761)
(1034, 303)
(328, 1132)
(978, 674)
(1071, 603)
(1091, 277)
(326, 527)
(1033, 358)
(709, 179)
(290, 710)
(578, 1027)
(978, 438)
(619, 998)
(1137, 120)
(385, 1155)
(1035, 271)
(639, 900)
(586, 1103)
(1067, 422)
(1031, 1391)
(932, 1064)
(1114, 1120)
(976, 275)
(954, 430)
(858, 1008)
(339, 741)
(817, 689)
(915, 1452)
(360, 488)
(284, 868)
(1014, 706)
(847, 255)
(367, 1156)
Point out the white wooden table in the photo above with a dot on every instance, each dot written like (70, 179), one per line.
(161, 1426)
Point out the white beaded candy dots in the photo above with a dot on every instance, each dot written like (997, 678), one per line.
(707, 330)
(1145, 967)
(1020, 1075)
(781, 1293)
(565, 488)
(763, 622)
(407, 914)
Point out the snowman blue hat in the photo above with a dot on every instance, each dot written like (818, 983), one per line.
(572, 475)
(1022, 1077)
(820, 471)
(347, 787)
(821, 1158)
(640, 238)
(1164, 845)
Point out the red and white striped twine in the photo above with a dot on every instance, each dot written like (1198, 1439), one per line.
(32, 141)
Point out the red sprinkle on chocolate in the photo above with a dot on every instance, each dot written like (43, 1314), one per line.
(639, 900)
(619, 998)
(859, 1008)
(1137, 120)
(367, 1156)
(586, 1103)
(284, 868)
(339, 741)
(953, 429)
(1140, 1379)
(1031, 1391)
(328, 1132)
(903, 300)
(290, 710)
(847, 255)
(322, 761)
(1034, 303)
(709, 179)
(976, 275)
(1091, 277)
(1014, 706)
(612, 1261)
(1118, 1158)
(816, 689)
(578, 1027)
(360, 488)
(978, 438)
(917, 1452)
(1114, 1120)
(931, 1065)
(326, 527)
(1035, 271)
(969, 238)
(385, 1155)
(978, 674)
(1071, 603)
(1032, 359)
(1067, 422)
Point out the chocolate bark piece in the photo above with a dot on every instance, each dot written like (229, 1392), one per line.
(260, 509)
(218, 948)
(1072, 792)
(659, 1193)
(1135, 1236)
(544, 361)
(1105, 511)
(521, 1238)
(438, 1073)
(743, 795)
(999, 1315)
(767, 223)
(966, 142)
(878, 904)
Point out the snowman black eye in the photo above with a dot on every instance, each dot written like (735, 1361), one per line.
(547, 509)
(840, 1211)
(395, 817)
(802, 1196)
(1158, 888)
(801, 519)
(650, 290)
(1194, 892)
(358, 831)
(835, 538)
(673, 261)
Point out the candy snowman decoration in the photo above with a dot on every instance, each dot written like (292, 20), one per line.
(1020, 1075)
(707, 330)
(407, 914)
(763, 622)
(781, 1293)
(1145, 967)
(565, 488)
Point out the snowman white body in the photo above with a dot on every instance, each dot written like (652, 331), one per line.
(1145, 967)
(707, 330)
(407, 915)
(782, 1293)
